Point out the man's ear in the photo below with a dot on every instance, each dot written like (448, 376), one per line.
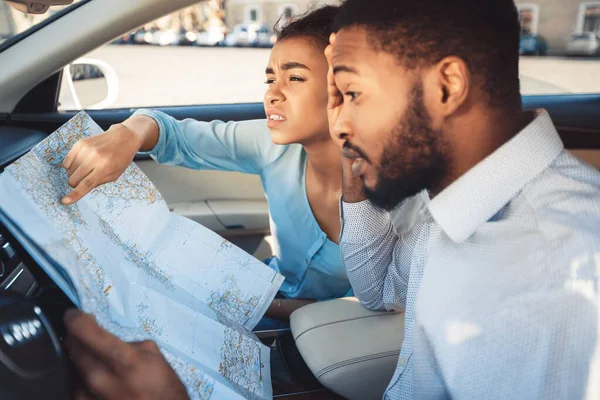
(453, 81)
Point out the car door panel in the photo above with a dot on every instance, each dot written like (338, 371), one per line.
(236, 215)
(15, 142)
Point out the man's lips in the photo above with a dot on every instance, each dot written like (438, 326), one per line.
(350, 154)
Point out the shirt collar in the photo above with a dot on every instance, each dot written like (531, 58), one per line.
(485, 189)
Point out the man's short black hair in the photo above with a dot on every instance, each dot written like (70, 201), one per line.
(483, 33)
(316, 24)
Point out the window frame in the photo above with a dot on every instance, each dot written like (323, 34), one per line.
(248, 13)
(292, 7)
(535, 10)
(581, 14)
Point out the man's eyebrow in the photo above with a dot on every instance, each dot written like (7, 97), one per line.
(287, 67)
(344, 68)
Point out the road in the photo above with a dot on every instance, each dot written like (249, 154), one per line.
(163, 76)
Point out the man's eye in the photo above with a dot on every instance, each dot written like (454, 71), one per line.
(296, 79)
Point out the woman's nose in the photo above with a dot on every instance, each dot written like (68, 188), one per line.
(273, 96)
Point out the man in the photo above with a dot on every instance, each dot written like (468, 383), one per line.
(498, 274)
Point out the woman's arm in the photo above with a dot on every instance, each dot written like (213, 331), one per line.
(243, 146)
(234, 146)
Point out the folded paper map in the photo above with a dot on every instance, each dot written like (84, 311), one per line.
(145, 273)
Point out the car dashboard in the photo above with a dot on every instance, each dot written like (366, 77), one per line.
(32, 364)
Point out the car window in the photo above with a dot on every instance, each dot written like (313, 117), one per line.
(216, 52)
(15, 24)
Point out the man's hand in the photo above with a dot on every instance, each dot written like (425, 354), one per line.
(335, 97)
(112, 369)
(352, 186)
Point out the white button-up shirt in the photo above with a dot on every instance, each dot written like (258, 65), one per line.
(499, 277)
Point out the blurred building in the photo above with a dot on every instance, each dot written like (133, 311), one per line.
(555, 20)
(194, 18)
(267, 12)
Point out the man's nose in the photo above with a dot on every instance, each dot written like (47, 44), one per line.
(342, 128)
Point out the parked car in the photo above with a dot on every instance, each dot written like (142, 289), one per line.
(242, 36)
(143, 36)
(214, 36)
(265, 37)
(533, 45)
(583, 44)
(169, 37)
(125, 39)
(187, 38)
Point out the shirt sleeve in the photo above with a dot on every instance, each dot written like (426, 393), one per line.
(244, 146)
(369, 245)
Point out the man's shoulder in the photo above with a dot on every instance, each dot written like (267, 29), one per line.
(566, 194)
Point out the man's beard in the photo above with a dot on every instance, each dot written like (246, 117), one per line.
(415, 158)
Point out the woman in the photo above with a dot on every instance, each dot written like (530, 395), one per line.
(292, 151)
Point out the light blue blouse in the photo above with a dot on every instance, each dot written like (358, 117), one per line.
(309, 261)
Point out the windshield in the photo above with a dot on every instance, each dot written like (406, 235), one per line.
(15, 25)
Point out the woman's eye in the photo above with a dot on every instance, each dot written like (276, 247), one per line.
(270, 81)
(352, 95)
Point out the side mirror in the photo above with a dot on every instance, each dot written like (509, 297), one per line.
(88, 84)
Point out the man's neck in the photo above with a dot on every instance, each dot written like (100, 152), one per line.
(485, 133)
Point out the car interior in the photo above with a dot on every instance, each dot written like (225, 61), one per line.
(335, 338)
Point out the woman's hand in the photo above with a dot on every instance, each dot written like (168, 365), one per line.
(103, 158)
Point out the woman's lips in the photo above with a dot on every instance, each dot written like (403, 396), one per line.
(275, 117)
(272, 123)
